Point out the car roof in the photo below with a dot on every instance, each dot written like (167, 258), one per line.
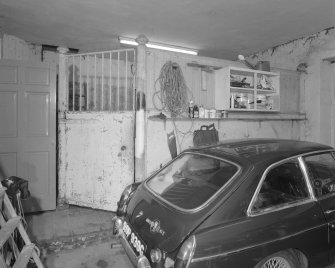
(255, 151)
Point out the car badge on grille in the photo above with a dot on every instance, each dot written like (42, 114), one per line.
(140, 214)
(155, 226)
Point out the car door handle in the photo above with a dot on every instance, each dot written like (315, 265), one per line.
(330, 211)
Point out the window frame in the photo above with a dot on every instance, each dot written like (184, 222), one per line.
(310, 179)
(311, 197)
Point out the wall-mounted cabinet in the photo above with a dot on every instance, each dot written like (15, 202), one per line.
(240, 89)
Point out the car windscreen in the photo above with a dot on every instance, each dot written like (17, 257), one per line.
(191, 180)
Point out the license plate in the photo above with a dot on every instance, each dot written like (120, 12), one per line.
(132, 238)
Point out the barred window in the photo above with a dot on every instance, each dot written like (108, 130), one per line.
(102, 81)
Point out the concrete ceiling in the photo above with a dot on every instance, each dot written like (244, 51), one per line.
(217, 28)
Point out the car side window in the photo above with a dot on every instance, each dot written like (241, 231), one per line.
(321, 171)
(283, 185)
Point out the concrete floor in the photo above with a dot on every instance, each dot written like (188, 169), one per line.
(99, 255)
(73, 237)
(76, 237)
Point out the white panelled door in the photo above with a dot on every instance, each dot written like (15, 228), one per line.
(28, 129)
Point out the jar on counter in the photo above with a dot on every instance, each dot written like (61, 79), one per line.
(212, 113)
(195, 111)
(201, 112)
(206, 113)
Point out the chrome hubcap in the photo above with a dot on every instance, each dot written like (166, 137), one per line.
(276, 262)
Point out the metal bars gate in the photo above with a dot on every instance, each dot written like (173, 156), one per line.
(101, 81)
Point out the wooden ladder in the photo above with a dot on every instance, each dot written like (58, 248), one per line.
(10, 222)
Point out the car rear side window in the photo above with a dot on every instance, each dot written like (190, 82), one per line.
(321, 170)
(282, 186)
(191, 180)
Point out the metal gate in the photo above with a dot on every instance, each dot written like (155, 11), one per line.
(98, 132)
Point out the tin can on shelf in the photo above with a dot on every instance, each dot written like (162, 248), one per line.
(206, 113)
(212, 113)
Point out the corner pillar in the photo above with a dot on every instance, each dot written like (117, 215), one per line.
(140, 112)
(62, 107)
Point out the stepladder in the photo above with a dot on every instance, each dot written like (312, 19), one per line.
(16, 248)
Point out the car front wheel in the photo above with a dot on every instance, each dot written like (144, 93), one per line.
(281, 259)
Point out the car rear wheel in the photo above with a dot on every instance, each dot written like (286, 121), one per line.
(281, 259)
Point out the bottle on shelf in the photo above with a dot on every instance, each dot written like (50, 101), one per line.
(195, 111)
(190, 109)
(201, 111)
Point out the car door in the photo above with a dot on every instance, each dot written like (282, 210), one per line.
(283, 202)
(321, 171)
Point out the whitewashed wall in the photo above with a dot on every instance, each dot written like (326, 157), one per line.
(238, 125)
(72, 128)
(157, 145)
(312, 56)
(17, 49)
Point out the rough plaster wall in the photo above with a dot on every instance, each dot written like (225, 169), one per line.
(157, 144)
(192, 75)
(157, 150)
(309, 52)
(94, 166)
(17, 49)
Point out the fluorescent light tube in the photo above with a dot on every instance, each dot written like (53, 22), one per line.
(128, 41)
(132, 42)
(174, 49)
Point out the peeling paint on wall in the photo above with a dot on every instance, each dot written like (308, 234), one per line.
(309, 56)
(96, 167)
(18, 49)
(228, 129)
(157, 150)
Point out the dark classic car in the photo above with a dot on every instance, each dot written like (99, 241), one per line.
(248, 203)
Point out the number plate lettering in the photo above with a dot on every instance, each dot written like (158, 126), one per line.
(133, 239)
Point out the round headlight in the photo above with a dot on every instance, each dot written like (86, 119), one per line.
(186, 252)
(118, 224)
(155, 255)
(143, 262)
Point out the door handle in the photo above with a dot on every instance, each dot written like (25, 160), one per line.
(330, 211)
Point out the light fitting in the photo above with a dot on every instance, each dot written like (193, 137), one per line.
(129, 41)
(247, 63)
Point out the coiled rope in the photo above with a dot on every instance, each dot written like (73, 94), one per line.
(173, 91)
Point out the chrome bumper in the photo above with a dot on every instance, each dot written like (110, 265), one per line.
(139, 262)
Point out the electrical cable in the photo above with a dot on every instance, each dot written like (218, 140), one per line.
(173, 91)
(184, 134)
(174, 96)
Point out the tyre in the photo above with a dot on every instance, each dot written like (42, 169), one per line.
(282, 259)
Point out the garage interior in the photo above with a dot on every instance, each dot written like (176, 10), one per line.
(81, 113)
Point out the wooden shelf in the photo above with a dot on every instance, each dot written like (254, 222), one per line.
(243, 115)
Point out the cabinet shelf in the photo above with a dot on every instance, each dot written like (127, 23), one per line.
(266, 91)
(241, 89)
